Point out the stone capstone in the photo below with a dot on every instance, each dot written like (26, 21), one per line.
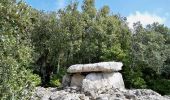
(96, 67)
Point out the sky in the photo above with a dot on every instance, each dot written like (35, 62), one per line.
(145, 11)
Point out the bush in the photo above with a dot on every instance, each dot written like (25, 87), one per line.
(35, 79)
(55, 81)
(162, 86)
(133, 78)
(139, 82)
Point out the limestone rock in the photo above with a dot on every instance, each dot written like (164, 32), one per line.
(67, 97)
(66, 80)
(96, 67)
(76, 80)
(110, 94)
(99, 82)
(42, 93)
(144, 94)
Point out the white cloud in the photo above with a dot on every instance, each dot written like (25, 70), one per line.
(145, 19)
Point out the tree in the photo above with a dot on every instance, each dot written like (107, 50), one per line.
(166, 34)
(16, 50)
(149, 48)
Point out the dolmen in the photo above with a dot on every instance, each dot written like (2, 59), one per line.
(96, 77)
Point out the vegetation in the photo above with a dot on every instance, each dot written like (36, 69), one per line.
(37, 47)
(16, 78)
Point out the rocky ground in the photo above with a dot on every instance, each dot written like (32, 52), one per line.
(74, 93)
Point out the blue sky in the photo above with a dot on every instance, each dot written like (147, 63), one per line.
(146, 11)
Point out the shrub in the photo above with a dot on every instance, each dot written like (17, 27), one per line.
(133, 78)
(35, 79)
(162, 86)
(139, 82)
(55, 81)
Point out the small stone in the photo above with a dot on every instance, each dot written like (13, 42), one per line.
(73, 91)
(102, 98)
(130, 96)
(68, 90)
(118, 95)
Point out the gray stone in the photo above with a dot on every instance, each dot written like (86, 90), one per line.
(102, 81)
(144, 94)
(167, 96)
(66, 80)
(76, 80)
(96, 67)
(66, 97)
(102, 98)
(110, 94)
(42, 93)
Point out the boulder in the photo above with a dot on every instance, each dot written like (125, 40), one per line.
(99, 82)
(96, 67)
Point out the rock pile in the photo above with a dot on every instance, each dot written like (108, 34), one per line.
(93, 78)
(72, 93)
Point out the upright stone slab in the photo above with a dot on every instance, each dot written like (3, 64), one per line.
(76, 80)
(102, 81)
(66, 80)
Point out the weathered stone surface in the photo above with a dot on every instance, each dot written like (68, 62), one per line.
(98, 82)
(76, 80)
(66, 80)
(110, 94)
(144, 94)
(42, 93)
(96, 67)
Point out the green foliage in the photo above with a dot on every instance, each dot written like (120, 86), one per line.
(148, 58)
(70, 36)
(148, 48)
(35, 79)
(55, 81)
(160, 85)
(134, 78)
(138, 82)
(16, 50)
